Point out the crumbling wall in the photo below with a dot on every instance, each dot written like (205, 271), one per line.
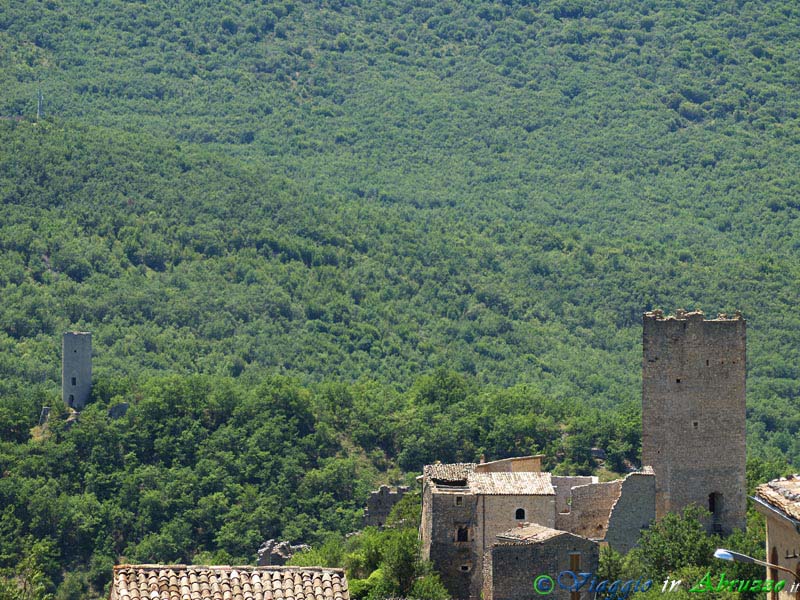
(563, 485)
(590, 509)
(380, 504)
(633, 511)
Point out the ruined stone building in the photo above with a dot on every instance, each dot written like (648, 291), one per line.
(779, 502)
(693, 414)
(380, 503)
(76, 368)
(468, 510)
(693, 436)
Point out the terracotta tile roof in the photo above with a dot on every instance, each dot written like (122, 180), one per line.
(524, 483)
(530, 533)
(782, 494)
(189, 582)
(450, 473)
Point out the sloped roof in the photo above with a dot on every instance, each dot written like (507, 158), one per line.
(450, 473)
(523, 483)
(190, 582)
(782, 494)
(530, 533)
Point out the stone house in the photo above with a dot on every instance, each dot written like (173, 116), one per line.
(520, 555)
(693, 436)
(779, 502)
(134, 582)
(466, 506)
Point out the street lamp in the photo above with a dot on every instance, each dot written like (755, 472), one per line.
(738, 557)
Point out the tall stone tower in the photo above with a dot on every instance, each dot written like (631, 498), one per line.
(76, 368)
(693, 414)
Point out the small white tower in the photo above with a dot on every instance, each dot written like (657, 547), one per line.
(76, 368)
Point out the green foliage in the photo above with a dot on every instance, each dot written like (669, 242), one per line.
(407, 512)
(322, 244)
(673, 543)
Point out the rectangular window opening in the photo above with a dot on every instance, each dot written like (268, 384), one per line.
(575, 567)
(462, 534)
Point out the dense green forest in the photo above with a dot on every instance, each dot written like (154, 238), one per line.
(320, 243)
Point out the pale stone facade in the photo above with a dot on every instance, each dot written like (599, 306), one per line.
(779, 502)
(466, 511)
(693, 414)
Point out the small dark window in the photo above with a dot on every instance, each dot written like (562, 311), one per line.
(706, 362)
(677, 381)
(74, 381)
(715, 505)
(520, 514)
(459, 500)
(71, 400)
(696, 424)
(462, 534)
(465, 568)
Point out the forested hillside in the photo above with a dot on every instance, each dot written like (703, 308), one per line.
(436, 223)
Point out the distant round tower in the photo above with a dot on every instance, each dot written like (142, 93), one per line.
(76, 368)
(693, 414)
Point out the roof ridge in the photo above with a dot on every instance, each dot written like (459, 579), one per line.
(227, 567)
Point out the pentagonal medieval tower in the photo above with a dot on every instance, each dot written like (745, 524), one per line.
(693, 414)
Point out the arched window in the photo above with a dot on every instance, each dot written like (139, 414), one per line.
(520, 514)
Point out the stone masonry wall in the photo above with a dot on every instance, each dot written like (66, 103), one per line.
(563, 485)
(496, 514)
(782, 537)
(380, 504)
(455, 561)
(590, 509)
(693, 414)
(510, 569)
(633, 511)
(76, 368)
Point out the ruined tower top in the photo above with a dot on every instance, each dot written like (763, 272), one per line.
(693, 315)
(76, 368)
(693, 413)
